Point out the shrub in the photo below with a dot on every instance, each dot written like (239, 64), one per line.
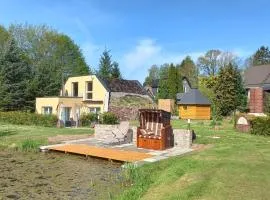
(87, 119)
(109, 118)
(260, 126)
(30, 145)
(26, 118)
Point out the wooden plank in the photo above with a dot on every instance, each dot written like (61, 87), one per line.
(108, 153)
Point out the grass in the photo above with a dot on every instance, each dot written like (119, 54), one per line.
(7, 132)
(235, 167)
(30, 137)
(30, 144)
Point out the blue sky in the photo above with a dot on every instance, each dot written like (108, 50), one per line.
(145, 32)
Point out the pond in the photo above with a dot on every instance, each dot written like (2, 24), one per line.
(57, 176)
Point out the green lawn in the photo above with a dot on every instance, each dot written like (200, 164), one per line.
(12, 136)
(237, 166)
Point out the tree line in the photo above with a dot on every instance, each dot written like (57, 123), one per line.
(36, 60)
(217, 74)
(170, 77)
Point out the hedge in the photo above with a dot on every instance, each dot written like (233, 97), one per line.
(87, 119)
(260, 126)
(109, 118)
(26, 118)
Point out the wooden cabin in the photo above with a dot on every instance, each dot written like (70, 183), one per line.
(192, 104)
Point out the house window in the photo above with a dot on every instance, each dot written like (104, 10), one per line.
(75, 86)
(185, 107)
(94, 110)
(89, 90)
(47, 110)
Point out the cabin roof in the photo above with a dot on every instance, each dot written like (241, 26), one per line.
(193, 97)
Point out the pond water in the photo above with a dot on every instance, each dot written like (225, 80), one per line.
(57, 176)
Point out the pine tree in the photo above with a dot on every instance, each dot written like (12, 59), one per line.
(108, 69)
(188, 69)
(229, 90)
(241, 93)
(163, 82)
(115, 73)
(15, 75)
(172, 81)
(261, 56)
(4, 35)
(105, 65)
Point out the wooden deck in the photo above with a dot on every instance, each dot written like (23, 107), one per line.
(100, 152)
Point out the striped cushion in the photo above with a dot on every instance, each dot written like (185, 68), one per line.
(151, 125)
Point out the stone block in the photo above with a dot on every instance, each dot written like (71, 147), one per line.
(182, 138)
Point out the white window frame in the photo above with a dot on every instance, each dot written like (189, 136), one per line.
(94, 110)
(47, 110)
(88, 91)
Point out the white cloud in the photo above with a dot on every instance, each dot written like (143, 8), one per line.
(147, 52)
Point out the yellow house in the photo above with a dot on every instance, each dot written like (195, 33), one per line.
(84, 94)
(192, 104)
(81, 94)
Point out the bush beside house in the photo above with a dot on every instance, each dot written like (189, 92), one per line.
(26, 118)
(87, 119)
(254, 125)
(260, 126)
(109, 118)
(105, 118)
(33, 119)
